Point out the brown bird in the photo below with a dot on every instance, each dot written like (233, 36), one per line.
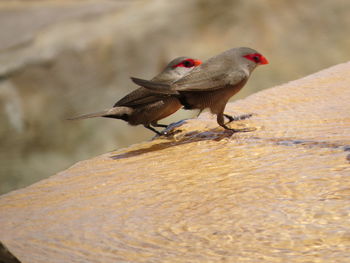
(213, 83)
(143, 106)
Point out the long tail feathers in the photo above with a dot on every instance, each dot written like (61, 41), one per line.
(90, 115)
(115, 112)
(154, 86)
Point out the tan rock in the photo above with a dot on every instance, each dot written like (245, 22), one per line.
(278, 194)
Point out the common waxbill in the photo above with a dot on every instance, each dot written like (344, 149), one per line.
(143, 106)
(213, 83)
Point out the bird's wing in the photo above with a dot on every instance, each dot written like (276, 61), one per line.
(202, 80)
(154, 86)
(140, 96)
(197, 80)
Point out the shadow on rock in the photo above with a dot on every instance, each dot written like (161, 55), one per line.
(175, 139)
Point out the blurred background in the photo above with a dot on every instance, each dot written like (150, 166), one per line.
(59, 59)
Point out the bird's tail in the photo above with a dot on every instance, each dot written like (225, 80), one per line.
(156, 87)
(90, 115)
(116, 112)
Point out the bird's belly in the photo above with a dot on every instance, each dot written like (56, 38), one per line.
(154, 111)
(213, 99)
(170, 106)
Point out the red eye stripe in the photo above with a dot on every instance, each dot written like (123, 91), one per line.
(257, 58)
(188, 63)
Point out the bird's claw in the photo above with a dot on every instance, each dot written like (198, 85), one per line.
(238, 118)
(168, 133)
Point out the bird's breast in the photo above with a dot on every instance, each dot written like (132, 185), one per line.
(213, 99)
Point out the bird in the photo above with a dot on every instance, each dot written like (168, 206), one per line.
(143, 106)
(213, 83)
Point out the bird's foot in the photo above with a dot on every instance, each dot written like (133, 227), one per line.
(238, 118)
(160, 125)
(168, 133)
(172, 128)
(152, 129)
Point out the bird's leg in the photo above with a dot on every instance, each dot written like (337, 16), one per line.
(220, 120)
(152, 129)
(199, 113)
(238, 118)
(160, 125)
(164, 132)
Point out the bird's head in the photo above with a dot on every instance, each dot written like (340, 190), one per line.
(177, 68)
(251, 58)
(184, 66)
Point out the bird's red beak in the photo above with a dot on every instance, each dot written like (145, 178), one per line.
(263, 60)
(197, 62)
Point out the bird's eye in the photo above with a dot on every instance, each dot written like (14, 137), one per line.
(188, 63)
(256, 59)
